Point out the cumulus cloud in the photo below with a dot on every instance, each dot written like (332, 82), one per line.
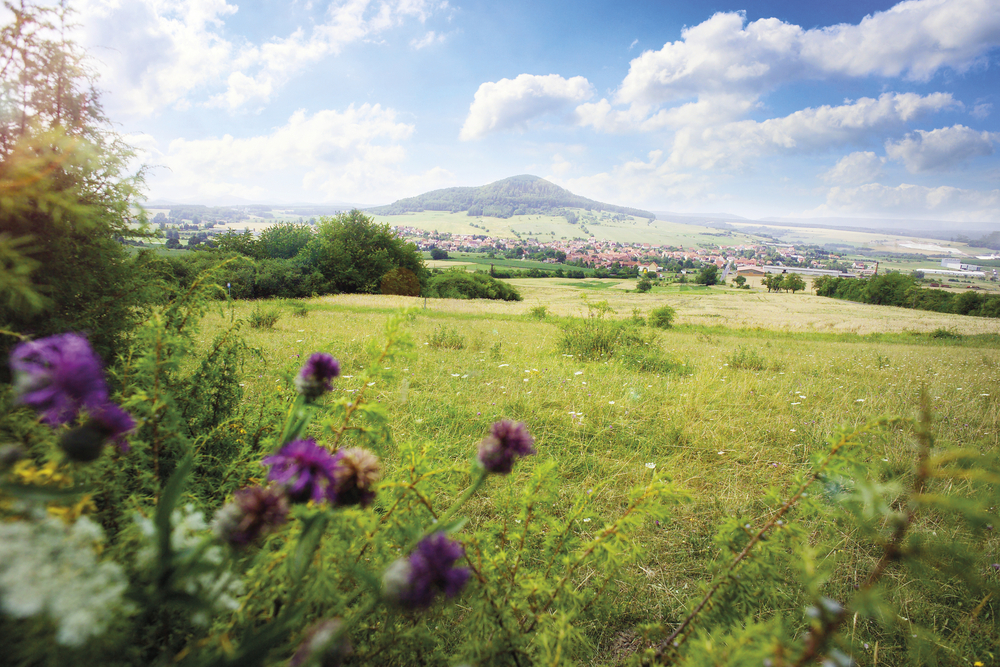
(176, 52)
(726, 54)
(512, 103)
(940, 149)
(854, 169)
(350, 154)
(915, 201)
(729, 145)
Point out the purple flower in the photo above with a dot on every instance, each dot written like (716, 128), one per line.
(320, 648)
(305, 469)
(254, 512)
(415, 581)
(58, 376)
(356, 472)
(314, 379)
(506, 442)
(85, 443)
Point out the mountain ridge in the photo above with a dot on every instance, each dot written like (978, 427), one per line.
(517, 195)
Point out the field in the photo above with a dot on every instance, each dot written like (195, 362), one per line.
(722, 430)
(591, 224)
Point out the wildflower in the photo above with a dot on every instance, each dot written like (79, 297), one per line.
(318, 646)
(356, 472)
(84, 443)
(506, 442)
(58, 376)
(305, 469)
(414, 582)
(315, 378)
(254, 512)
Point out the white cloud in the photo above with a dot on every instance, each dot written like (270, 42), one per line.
(175, 51)
(353, 154)
(731, 144)
(854, 169)
(430, 38)
(915, 201)
(511, 103)
(981, 111)
(645, 183)
(940, 149)
(724, 54)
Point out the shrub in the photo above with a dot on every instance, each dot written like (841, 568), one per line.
(538, 312)
(263, 318)
(748, 359)
(662, 317)
(460, 284)
(447, 338)
(298, 308)
(943, 333)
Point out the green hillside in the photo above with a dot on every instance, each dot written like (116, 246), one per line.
(517, 195)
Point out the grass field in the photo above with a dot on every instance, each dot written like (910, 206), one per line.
(592, 224)
(722, 432)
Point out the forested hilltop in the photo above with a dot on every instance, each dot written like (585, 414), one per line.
(517, 195)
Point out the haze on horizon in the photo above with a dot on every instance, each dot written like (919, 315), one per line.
(862, 108)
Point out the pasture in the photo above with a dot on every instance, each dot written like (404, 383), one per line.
(722, 429)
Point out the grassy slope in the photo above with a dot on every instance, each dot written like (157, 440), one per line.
(722, 433)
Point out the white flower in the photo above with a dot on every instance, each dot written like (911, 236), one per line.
(651, 465)
(49, 568)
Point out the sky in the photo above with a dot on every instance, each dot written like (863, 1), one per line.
(853, 108)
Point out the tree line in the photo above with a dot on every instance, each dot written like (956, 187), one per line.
(897, 289)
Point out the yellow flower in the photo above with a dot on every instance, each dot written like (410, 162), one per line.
(977, 663)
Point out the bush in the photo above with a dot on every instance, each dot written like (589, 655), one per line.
(263, 318)
(662, 317)
(538, 313)
(298, 308)
(448, 338)
(460, 284)
(747, 359)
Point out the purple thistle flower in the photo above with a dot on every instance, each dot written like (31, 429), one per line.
(319, 648)
(316, 375)
(305, 469)
(254, 512)
(506, 442)
(415, 581)
(356, 472)
(85, 443)
(58, 376)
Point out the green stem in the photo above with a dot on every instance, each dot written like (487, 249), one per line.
(457, 505)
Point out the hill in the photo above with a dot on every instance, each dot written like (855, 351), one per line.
(518, 195)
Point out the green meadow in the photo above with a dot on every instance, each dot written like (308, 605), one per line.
(746, 406)
(595, 224)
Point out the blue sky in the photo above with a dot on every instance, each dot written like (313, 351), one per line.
(753, 107)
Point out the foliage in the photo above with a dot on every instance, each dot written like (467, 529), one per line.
(748, 359)
(263, 318)
(740, 282)
(598, 337)
(792, 282)
(518, 195)
(438, 253)
(538, 312)
(66, 193)
(708, 275)
(897, 289)
(402, 282)
(459, 284)
(662, 317)
(644, 284)
(448, 338)
(353, 253)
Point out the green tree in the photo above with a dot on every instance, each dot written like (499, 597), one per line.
(284, 240)
(772, 281)
(439, 253)
(709, 275)
(353, 252)
(793, 282)
(644, 284)
(66, 193)
(739, 281)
